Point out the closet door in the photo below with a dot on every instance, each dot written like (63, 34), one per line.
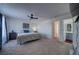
(0, 31)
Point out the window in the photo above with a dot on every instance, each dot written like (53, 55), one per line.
(25, 25)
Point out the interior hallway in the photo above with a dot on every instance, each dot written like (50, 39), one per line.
(39, 47)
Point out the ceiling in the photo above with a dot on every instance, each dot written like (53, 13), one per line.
(45, 10)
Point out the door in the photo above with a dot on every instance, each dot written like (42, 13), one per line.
(0, 31)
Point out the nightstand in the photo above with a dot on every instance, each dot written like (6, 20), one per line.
(12, 35)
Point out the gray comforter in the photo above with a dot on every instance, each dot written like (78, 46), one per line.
(24, 37)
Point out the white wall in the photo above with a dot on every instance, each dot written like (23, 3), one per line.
(44, 26)
(61, 31)
(15, 24)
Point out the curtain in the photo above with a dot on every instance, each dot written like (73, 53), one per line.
(4, 36)
(0, 31)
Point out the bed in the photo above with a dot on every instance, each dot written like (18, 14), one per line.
(25, 37)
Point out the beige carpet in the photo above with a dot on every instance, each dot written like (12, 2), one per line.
(39, 47)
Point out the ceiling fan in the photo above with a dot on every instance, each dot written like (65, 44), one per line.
(31, 16)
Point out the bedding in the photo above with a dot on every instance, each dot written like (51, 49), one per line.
(25, 37)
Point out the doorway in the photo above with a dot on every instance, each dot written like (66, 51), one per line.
(56, 29)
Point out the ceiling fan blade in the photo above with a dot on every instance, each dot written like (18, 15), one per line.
(35, 18)
(28, 16)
